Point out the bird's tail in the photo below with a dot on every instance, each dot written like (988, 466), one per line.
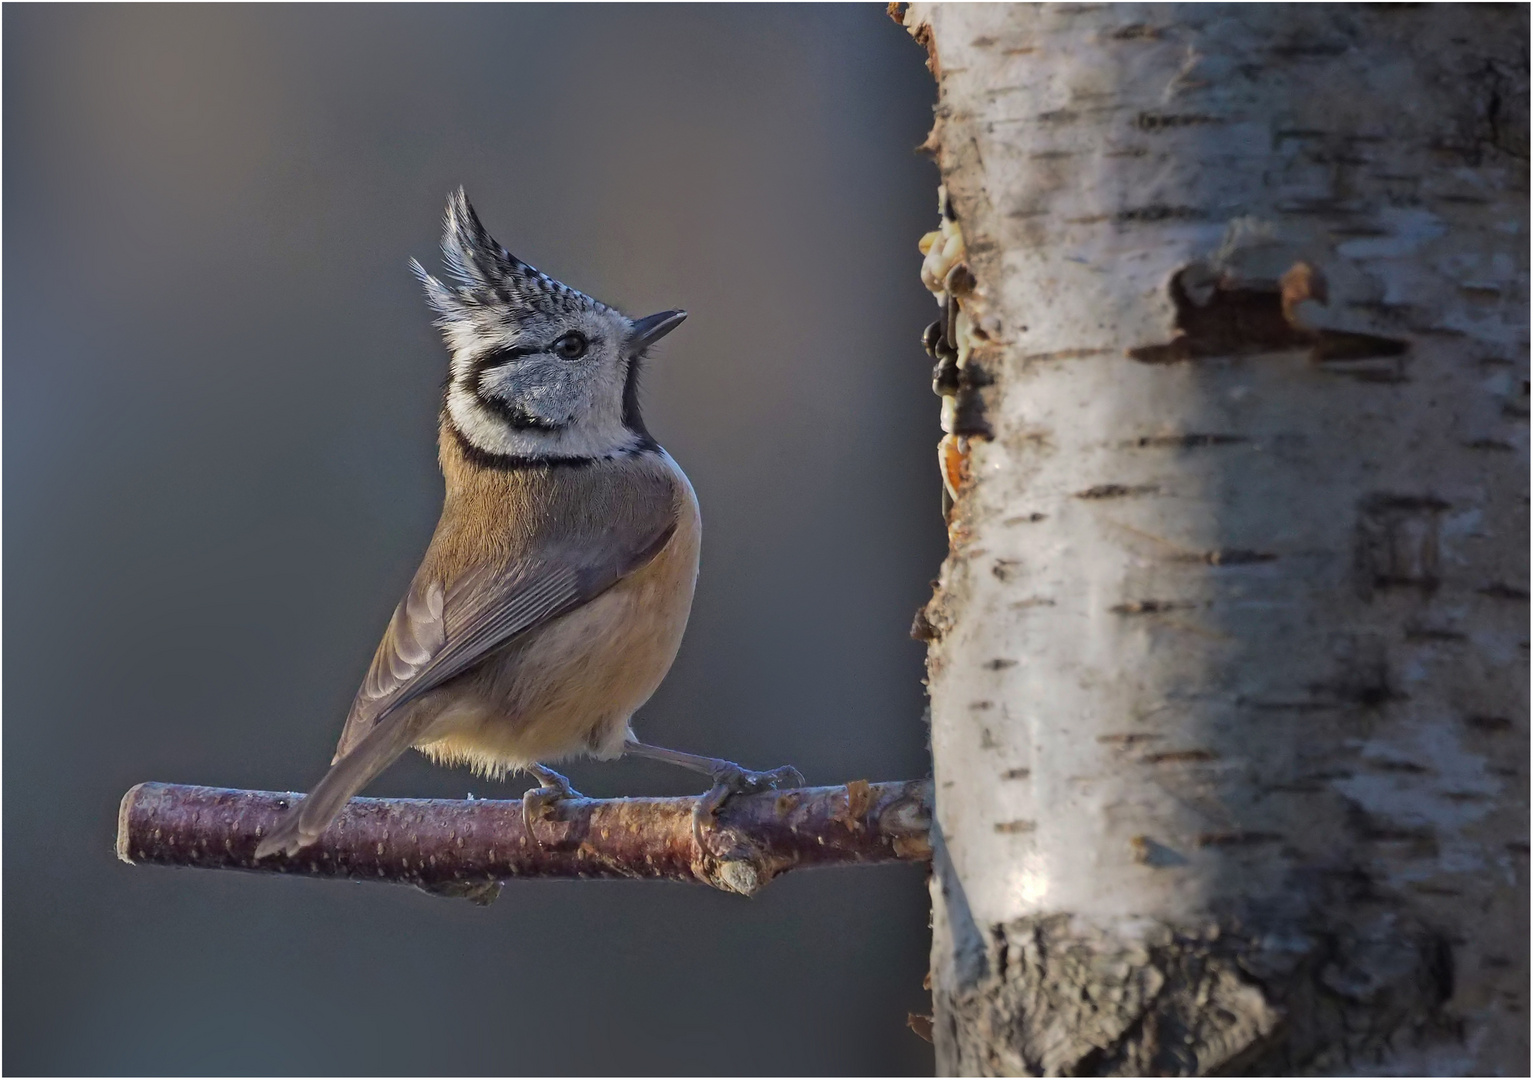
(304, 823)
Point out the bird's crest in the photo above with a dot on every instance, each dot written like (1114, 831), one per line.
(495, 290)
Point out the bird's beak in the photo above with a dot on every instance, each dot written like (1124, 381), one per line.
(652, 328)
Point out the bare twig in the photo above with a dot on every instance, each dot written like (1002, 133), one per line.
(464, 848)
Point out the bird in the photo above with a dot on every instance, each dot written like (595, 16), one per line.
(552, 598)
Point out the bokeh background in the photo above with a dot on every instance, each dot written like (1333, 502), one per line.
(220, 391)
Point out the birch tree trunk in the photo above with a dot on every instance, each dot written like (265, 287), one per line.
(1229, 659)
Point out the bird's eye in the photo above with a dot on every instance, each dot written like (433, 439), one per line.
(571, 346)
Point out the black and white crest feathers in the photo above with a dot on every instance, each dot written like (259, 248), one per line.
(511, 392)
(493, 284)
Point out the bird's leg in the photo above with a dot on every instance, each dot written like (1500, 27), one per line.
(728, 779)
(538, 801)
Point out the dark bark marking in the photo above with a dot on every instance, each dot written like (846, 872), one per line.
(1025, 519)
(1117, 491)
(1150, 121)
(1434, 633)
(1226, 557)
(1184, 442)
(1499, 590)
(999, 664)
(1128, 738)
(1151, 607)
(1160, 212)
(1397, 542)
(1303, 50)
(1236, 320)
(1016, 774)
(1289, 706)
(1336, 346)
(1489, 723)
(1179, 757)
(1408, 502)
(1398, 767)
(1416, 843)
(1066, 354)
(1325, 206)
(1015, 827)
(1370, 693)
(1236, 839)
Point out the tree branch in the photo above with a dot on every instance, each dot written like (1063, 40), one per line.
(464, 848)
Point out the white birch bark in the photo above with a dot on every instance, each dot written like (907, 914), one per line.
(1229, 659)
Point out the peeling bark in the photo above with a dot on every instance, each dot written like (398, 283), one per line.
(1229, 658)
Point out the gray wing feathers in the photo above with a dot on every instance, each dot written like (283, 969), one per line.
(432, 638)
(415, 634)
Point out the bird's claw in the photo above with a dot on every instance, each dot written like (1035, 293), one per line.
(538, 802)
(731, 779)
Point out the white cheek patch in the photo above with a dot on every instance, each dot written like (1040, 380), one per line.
(595, 428)
(542, 394)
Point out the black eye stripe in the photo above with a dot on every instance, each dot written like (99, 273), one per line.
(496, 359)
(505, 356)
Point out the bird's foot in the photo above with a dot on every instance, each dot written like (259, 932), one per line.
(538, 802)
(730, 779)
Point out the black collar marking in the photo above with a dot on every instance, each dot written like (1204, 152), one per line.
(631, 418)
(487, 459)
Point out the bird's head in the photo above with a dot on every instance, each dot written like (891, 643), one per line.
(539, 371)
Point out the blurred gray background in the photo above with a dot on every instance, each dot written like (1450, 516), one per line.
(220, 402)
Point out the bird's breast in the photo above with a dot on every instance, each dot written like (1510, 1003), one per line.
(570, 687)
